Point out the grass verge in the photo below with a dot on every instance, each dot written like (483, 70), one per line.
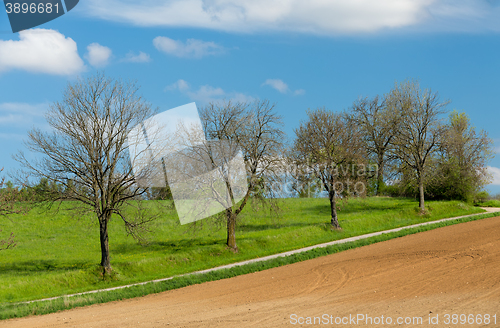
(64, 303)
(57, 253)
(489, 203)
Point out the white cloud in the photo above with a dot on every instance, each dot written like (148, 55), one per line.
(313, 16)
(241, 97)
(207, 93)
(496, 145)
(277, 84)
(191, 49)
(465, 15)
(142, 57)
(21, 114)
(180, 85)
(13, 136)
(17, 117)
(495, 172)
(41, 51)
(97, 55)
(282, 87)
(327, 17)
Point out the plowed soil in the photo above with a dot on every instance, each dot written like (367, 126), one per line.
(434, 274)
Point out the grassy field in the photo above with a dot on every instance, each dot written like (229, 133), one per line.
(490, 203)
(58, 253)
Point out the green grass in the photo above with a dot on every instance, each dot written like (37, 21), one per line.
(490, 203)
(58, 253)
(38, 308)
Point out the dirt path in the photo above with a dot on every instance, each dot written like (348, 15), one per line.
(491, 209)
(451, 270)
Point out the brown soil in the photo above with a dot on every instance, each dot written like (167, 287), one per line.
(451, 270)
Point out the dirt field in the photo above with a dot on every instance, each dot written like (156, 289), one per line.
(452, 270)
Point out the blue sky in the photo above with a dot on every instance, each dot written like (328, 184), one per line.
(299, 54)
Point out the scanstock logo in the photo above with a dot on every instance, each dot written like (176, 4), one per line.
(25, 14)
(205, 177)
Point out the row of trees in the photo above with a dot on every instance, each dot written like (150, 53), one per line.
(415, 152)
(86, 159)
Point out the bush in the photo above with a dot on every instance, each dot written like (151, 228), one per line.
(481, 197)
(390, 190)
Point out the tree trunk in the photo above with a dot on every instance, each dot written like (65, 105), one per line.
(380, 175)
(231, 230)
(105, 259)
(333, 209)
(421, 200)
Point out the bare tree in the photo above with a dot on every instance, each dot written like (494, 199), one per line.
(9, 196)
(379, 125)
(330, 145)
(256, 129)
(303, 181)
(13, 200)
(7, 206)
(420, 131)
(87, 153)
